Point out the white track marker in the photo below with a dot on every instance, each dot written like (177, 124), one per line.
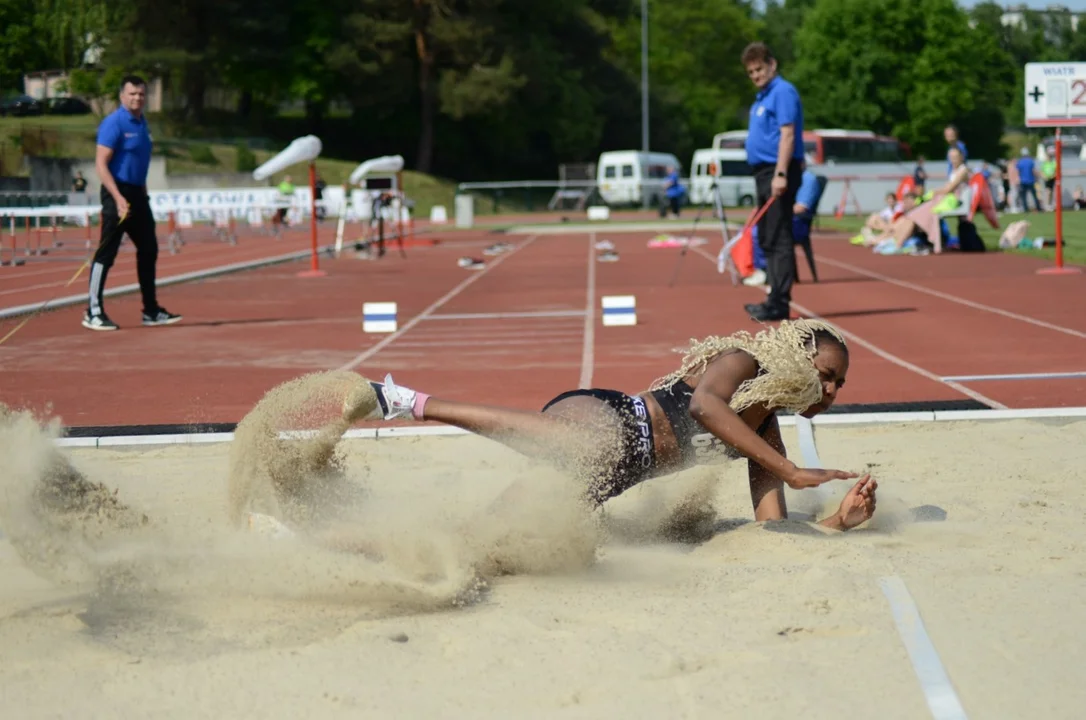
(434, 306)
(885, 355)
(952, 298)
(938, 690)
(588, 356)
(1016, 376)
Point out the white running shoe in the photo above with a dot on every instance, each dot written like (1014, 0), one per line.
(269, 526)
(376, 401)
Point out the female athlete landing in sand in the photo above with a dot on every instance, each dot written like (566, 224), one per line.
(719, 405)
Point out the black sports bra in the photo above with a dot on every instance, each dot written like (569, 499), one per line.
(698, 445)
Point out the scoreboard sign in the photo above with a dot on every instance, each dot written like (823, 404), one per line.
(1055, 95)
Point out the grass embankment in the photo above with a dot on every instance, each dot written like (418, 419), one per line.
(1040, 225)
(73, 137)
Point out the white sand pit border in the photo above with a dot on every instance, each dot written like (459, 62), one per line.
(884, 418)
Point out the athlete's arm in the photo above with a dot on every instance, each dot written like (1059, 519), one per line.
(709, 406)
(767, 492)
(766, 489)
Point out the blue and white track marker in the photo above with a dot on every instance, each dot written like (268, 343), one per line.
(619, 310)
(379, 317)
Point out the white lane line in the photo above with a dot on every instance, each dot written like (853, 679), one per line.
(952, 298)
(436, 305)
(886, 355)
(588, 351)
(900, 362)
(1017, 376)
(942, 700)
(503, 342)
(509, 315)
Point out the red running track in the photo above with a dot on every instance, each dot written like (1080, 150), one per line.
(911, 320)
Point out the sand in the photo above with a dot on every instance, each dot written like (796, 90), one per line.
(436, 606)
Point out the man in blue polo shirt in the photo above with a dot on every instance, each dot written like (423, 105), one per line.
(122, 160)
(775, 154)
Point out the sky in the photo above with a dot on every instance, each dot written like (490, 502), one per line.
(1075, 5)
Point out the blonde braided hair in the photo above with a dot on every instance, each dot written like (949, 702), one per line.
(785, 354)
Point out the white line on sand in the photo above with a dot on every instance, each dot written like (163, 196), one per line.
(1017, 376)
(434, 306)
(588, 352)
(938, 690)
(952, 298)
(885, 355)
(807, 447)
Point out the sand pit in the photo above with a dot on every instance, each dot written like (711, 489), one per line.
(419, 602)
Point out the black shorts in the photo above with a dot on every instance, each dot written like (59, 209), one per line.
(638, 452)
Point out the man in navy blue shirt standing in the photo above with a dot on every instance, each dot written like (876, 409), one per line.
(122, 160)
(775, 154)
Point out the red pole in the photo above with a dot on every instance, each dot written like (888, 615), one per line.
(1059, 269)
(314, 269)
(1059, 200)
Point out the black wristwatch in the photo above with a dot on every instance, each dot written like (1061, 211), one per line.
(780, 174)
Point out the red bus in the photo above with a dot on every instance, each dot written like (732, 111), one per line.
(834, 146)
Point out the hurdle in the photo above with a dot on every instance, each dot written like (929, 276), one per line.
(380, 194)
(33, 230)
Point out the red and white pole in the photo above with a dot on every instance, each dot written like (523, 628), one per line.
(314, 269)
(1059, 269)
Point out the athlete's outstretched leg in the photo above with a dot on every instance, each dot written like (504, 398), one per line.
(577, 429)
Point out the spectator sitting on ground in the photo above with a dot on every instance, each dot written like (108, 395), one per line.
(880, 222)
(924, 218)
(1079, 197)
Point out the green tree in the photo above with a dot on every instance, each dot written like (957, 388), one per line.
(697, 83)
(95, 86)
(21, 49)
(904, 69)
(68, 28)
(780, 21)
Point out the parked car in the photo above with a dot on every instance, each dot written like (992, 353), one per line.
(67, 106)
(21, 105)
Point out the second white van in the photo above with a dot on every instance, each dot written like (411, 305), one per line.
(732, 172)
(630, 177)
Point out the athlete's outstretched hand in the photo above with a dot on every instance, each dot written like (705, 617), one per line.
(859, 504)
(811, 477)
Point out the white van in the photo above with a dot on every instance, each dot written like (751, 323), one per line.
(733, 174)
(628, 177)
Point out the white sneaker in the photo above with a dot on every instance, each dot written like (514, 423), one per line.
(375, 401)
(756, 278)
(269, 526)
